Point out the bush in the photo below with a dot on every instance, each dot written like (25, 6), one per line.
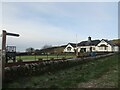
(40, 59)
(20, 60)
(51, 58)
(79, 56)
(63, 58)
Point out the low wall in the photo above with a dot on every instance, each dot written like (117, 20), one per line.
(14, 72)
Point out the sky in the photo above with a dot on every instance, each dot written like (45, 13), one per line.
(58, 23)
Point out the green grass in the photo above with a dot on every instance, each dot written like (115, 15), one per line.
(107, 80)
(44, 57)
(103, 71)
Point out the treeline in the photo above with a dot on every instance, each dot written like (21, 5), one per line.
(43, 51)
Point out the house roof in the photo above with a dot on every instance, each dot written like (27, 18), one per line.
(103, 45)
(109, 42)
(92, 43)
(89, 43)
(72, 44)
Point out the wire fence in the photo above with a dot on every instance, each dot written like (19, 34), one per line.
(34, 57)
(42, 57)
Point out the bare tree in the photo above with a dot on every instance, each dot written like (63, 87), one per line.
(46, 46)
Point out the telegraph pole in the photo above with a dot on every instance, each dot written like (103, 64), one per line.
(76, 47)
(4, 34)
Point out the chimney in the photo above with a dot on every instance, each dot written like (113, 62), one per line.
(89, 39)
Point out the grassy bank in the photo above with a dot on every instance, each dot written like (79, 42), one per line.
(102, 72)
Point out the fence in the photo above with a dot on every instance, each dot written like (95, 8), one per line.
(33, 57)
(44, 57)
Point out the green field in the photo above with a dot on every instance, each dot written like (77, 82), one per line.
(44, 57)
(101, 73)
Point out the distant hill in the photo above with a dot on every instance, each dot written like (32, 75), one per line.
(52, 50)
(116, 41)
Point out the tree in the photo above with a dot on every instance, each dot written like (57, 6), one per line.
(46, 46)
(37, 52)
(30, 50)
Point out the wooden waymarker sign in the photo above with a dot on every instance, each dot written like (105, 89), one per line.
(4, 34)
(12, 34)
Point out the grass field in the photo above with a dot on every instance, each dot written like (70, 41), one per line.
(44, 57)
(102, 73)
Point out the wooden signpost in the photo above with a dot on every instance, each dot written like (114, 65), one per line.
(4, 34)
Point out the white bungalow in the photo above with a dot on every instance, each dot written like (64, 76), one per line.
(92, 46)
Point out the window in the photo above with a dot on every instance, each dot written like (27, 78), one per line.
(103, 47)
(69, 48)
(83, 50)
(106, 48)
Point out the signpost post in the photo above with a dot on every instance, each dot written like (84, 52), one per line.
(4, 34)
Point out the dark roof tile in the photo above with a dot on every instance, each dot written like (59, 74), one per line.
(72, 44)
(89, 43)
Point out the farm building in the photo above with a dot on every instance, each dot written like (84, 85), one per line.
(92, 46)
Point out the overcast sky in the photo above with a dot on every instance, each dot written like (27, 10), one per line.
(58, 23)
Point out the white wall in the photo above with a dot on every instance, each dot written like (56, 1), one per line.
(116, 49)
(87, 48)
